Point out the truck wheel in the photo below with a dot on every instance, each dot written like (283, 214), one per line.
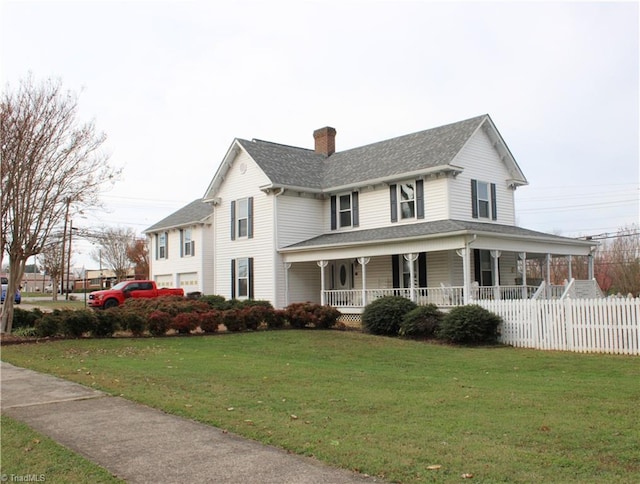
(110, 303)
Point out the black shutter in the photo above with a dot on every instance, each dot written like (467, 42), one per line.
(422, 269)
(233, 278)
(476, 265)
(334, 215)
(393, 199)
(250, 277)
(233, 220)
(494, 206)
(181, 243)
(420, 198)
(395, 268)
(156, 248)
(474, 198)
(250, 217)
(166, 245)
(355, 208)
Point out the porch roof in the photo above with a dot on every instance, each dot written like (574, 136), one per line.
(438, 229)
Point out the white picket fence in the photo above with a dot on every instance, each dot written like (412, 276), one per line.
(610, 325)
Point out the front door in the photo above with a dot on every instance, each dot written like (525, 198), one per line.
(343, 274)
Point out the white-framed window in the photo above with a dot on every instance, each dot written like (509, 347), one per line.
(188, 244)
(242, 214)
(345, 210)
(242, 279)
(162, 246)
(407, 198)
(242, 218)
(483, 199)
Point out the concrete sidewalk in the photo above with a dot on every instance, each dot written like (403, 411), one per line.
(141, 444)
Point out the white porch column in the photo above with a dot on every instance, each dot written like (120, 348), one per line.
(411, 258)
(495, 254)
(363, 262)
(548, 276)
(570, 273)
(287, 266)
(464, 253)
(523, 258)
(322, 264)
(591, 271)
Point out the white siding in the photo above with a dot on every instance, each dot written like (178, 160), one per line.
(299, 218)
(304, 282)
(481, 162)
(242, 183)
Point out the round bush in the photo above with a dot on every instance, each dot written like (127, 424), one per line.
(158, 322)
(25, 319)
(106, 323)
(421, 322)
(210, 321)
(233, 320)
(134, 322)
(384, 316)
(48, 325)
(470, 324)
(75, 323)
(184, 323)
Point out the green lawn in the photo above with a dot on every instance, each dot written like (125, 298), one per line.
(27, 453)
(382, 406)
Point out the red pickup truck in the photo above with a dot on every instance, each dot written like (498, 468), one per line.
(110, 298)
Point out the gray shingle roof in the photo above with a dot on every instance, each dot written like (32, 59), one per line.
(404, 231)
(194, 212)
(291, 166)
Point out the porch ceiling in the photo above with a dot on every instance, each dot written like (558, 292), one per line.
(432, 236)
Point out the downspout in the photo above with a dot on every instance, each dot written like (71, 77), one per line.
(275, 241)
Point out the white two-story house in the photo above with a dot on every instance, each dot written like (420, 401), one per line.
(181, 249)
(429, 215)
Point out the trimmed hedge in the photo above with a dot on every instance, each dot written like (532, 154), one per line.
(385, 315)
(421, 322)
(470, 324)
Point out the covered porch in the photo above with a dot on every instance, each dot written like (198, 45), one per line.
(448, 269)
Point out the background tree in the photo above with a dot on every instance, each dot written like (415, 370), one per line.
(621, 259)
(49, 161)
(51, 261)
(138, 254)
(114, 245)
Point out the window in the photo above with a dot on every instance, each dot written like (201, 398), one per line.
(483, 200)
(162, 252)
(401, 271)
(187, 244)
(344, 211)
(408, 199)
(242, 218)
(242, 278)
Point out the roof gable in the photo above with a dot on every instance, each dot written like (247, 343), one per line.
(429, 151)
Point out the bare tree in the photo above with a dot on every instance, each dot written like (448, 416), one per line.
(49, 160)
(138, 254)
(623, 258)
(51, 261)
(115, 243)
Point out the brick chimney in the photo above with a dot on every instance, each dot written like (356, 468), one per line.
(325, 141)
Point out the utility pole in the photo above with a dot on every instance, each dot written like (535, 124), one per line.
(64, 241)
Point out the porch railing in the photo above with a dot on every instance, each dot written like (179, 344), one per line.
(444, 296)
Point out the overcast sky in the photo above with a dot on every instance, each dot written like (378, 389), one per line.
(173, 83)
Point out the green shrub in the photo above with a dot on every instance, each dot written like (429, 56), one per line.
(232, 320)
(25, 331)
(74, 323)
(48, 325)
(384, 316)
(158, 322)
(215, 302)
(421, 322)
(306, 314)
(276, 319)
(184, 323)
(134, 322)
(210, 320)
(470, 324)
(106, 323)
(25, 319)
